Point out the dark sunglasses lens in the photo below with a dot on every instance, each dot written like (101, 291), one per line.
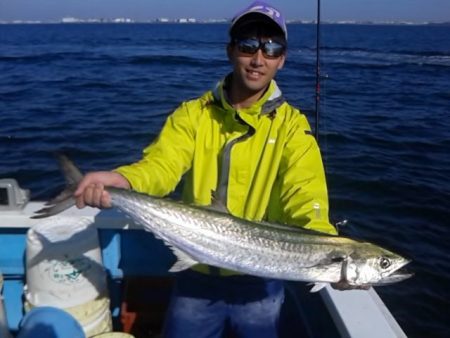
(248, 46)
(273, 49)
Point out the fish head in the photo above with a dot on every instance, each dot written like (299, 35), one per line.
(376, 266)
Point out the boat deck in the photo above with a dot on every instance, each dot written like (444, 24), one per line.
(139, 285)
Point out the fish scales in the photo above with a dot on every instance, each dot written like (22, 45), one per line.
(201, 235)
(238, 244)
(232, 247)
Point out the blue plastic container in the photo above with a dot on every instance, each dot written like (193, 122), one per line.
(49, 322)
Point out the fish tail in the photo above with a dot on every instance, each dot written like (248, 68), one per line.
(65, 199)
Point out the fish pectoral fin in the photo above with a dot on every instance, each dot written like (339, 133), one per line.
(184, 261)
(217, 205)
(317, 286)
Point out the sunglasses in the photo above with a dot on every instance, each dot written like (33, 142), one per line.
(270, 48)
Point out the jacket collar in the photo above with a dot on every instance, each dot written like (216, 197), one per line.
(268, 103)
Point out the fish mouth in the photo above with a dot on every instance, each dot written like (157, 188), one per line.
(396, 276)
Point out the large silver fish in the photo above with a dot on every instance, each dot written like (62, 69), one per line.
(204, 235)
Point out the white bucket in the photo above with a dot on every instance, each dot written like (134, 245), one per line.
(64, 265)
(94, 317)
(101, 324)
(114, 335)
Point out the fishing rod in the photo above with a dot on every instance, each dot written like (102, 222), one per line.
(316, 131)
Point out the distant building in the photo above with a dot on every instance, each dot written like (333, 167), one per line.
(187, 20)
(122, 20)
(70, 19)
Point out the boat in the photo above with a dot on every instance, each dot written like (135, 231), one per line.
(139, 283)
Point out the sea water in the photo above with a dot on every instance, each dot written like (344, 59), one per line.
(101, 92)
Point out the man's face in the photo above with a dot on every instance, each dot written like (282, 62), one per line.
(253, 72)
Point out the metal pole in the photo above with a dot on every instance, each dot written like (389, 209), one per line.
(4, 329)
(317, 72)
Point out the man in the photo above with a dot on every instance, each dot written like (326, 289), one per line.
(245, 145)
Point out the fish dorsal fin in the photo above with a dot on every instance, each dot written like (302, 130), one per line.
(184, 261)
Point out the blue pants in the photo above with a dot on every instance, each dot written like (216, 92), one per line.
(205, 306)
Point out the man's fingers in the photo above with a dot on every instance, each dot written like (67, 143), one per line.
(97, 195)
(88, 194)
(80, 202)
(82, 186)
(91, 190)
(94, 195)
(106, 199)
(88, 179)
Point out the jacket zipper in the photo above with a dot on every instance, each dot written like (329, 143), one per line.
(222, 187)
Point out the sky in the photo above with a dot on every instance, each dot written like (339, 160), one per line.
(144, 10)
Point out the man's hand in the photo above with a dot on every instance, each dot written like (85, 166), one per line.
(91, 190)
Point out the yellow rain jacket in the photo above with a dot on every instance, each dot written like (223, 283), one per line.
(262, 162)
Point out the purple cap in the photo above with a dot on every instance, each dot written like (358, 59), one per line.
(264, 9)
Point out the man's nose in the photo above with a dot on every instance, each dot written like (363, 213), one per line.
(257, 58)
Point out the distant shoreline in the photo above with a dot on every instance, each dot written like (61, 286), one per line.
(294, 22)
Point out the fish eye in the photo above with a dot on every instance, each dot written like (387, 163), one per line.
(385, 263)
